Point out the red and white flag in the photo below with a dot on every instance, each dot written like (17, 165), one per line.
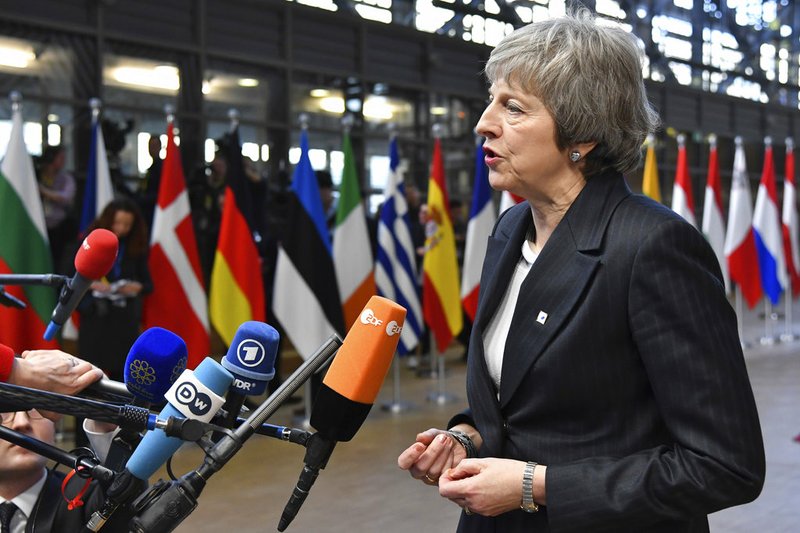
(178, 301)
(508, 200)
(789, 221)
(740, 242)
(713, 219)
(682, 197)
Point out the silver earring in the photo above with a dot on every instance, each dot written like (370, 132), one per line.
(574, 156)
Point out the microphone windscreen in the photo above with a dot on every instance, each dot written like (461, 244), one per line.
(97, 253)
(156, 447)
(251, 357)
(355, 377)
(153, 364)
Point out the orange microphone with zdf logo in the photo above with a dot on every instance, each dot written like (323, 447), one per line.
(348, 391)
(358, 370)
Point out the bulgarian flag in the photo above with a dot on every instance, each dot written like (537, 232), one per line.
(441, 301)
(24, 248)
(352, 257)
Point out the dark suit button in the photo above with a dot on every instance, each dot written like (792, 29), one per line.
(505, 426)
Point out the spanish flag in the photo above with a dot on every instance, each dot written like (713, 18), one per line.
(237, 288)
(441, 301)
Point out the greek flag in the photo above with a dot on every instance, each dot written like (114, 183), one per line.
(395, 269)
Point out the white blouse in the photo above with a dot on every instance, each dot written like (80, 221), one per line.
(494, 341)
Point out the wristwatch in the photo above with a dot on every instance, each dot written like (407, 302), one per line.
(528, 505)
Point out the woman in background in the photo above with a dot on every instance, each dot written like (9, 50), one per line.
(111, 312)
(57, 188)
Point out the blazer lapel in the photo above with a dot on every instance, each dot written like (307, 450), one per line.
(558, 278)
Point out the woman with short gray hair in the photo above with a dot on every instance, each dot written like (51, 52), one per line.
(606, 383)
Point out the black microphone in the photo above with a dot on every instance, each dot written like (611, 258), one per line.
(94, 259)
(348, 391)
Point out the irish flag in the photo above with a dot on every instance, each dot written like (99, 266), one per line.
(24, 248)
(352, 256)
(441, 302)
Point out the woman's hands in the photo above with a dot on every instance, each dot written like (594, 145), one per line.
(433, 452)
(488, 486)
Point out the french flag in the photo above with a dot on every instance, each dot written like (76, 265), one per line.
(481, 221)
(767, 228)
(790, 222)
(509, 200)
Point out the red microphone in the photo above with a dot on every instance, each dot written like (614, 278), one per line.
(94, 259)
(6, 362)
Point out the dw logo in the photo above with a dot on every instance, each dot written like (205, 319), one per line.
(250, 353)
(198, 402)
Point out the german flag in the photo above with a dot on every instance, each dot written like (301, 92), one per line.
(237, 287)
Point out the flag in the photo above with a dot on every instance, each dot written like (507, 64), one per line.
(713, 219)
(789, 221)
(352, 255)
(395, 266)
(650, 186)
(178, 301)
(682, 197)
(508, 200)
(306, 296)
(767, 230)
(24, 248)
(236, 294)
(441, 304)
(98, 192)
(481, 221)
(740, 242)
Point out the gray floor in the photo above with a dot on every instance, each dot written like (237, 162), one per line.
(362, 490)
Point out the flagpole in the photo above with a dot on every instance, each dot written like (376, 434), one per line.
(769, 338)
(739, 317)
(787, 335)
(396, 405)
(233, 116)
(305, 420)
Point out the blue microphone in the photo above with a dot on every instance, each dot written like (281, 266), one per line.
(195, 394)
(154, 362)
(251, 360)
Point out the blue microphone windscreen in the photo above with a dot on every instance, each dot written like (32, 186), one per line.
(154, 362)
(156, 447)
(251, 357)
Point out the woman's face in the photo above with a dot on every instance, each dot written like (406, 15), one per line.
(520, 148)
(123, 222)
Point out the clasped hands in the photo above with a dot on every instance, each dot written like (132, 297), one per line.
(486, 486)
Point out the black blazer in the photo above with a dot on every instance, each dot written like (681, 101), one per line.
(633, 391)
(51, 515)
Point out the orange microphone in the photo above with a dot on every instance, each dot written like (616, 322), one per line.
(358, 370)
(348, 390)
